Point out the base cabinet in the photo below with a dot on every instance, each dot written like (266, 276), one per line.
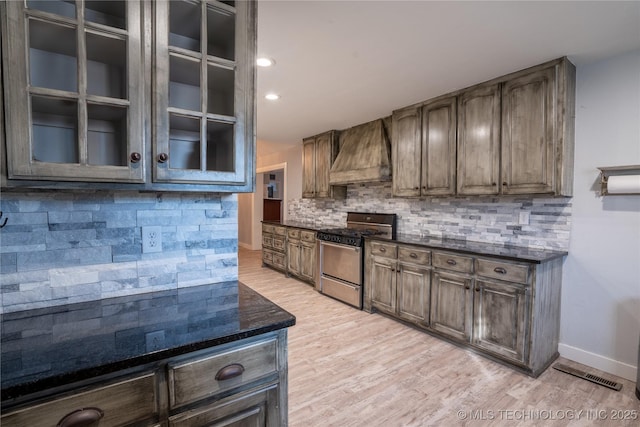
(398, 287)
(500, 318)
(274, 250)
(243, 383)
(451, 305)
(508, 310)
(291, 250)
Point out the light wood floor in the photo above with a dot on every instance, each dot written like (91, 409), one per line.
(351, 368)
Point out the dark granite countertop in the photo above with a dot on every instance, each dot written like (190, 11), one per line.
(53, 346)
(515, 253)
(308, 225)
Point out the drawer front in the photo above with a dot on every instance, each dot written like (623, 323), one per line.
(121, 403)
(279, 260)
(503, 270)
(308, 236)
(293, 233)
(267, 257)
(384, 250)
(267, 241)
(278, 243)
(280, 231)
(197, 379)
(453, 262)
(267, 228)
(409, 254)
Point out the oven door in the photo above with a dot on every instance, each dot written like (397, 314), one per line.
(342, 262)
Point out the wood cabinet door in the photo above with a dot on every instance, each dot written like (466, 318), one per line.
(383, 284)
(501, 318)
(528, 141)
(74, 110)
(308, 260)
(439, 147)
(451, 305)
(479, 141)
(414, 291)
(293, 257)
(203, 91)
(406, 155)
(323, 164)
(309, 168)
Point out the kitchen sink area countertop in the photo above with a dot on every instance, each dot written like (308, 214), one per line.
(54, 346)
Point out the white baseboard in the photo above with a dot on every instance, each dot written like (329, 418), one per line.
(597, 361)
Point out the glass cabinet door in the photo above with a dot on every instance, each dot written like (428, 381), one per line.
(74, 83)
(203, 122)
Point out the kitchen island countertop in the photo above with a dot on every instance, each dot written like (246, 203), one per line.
(48, 347)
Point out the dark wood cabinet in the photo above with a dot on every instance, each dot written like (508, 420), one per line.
(424, 149)
(479, 140)
(100, 109)
(318, 154)
(511, 135)
(508, 310)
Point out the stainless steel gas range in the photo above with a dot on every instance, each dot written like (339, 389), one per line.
(340, 255)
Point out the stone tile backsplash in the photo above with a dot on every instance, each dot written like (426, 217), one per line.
(62, 247)
(484, 219)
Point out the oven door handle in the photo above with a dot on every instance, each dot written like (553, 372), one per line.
(355, 249)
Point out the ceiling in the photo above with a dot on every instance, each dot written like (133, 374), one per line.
(342, 63)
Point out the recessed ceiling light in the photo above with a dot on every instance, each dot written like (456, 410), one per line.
(265, 62)
(272, 96)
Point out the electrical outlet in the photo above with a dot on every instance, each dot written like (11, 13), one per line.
(151, 239)
(524, 218)
(155, 340)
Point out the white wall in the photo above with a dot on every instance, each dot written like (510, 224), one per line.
(600, 323)
(250, 206)
(293, 158)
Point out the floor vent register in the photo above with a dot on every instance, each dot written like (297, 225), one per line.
(589, 377)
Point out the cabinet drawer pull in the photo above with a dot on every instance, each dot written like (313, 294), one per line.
(451, 262)
(413, 255)
(86, 417)
(163, 157)
(383, 250)
(229, 371)
(500, 270)
(135, 157)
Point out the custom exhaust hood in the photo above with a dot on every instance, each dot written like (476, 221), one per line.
(364, 155)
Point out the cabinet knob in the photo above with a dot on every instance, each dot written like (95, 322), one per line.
(416, 188)
(451, 262)
(163, 157)
(504, 184)
(477, 289)
(500, 270)
(383, 250)
(494, 184)
(229, 371)
(86, 417)
(413, 255)
(467, 287)
(135, 157)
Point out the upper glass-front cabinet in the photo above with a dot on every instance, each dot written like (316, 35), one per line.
(74, 92)
(204, 83)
